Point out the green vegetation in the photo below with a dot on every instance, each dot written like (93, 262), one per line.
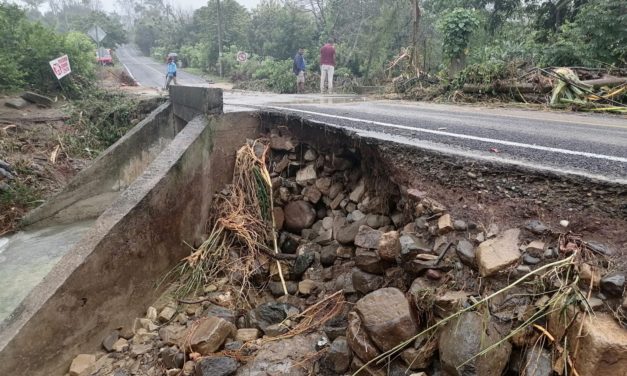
(28, 47)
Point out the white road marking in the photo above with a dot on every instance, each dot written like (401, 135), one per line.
(131, 74)
(462, 136)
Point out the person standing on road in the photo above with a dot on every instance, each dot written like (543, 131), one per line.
(327, 65)
(299, 67)
(171, 75)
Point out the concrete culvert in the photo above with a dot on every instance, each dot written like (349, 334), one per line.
(309, 250)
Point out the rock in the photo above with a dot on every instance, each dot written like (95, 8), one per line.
(365, 282)
(81, 363)
(299, 215)
(445, 224)
(345, 233)
(276, 288)
(338, 357)
(284, 143)
(564, 223)
(145, 324)
(433, 274)
(17, 103)
(368, 238)
(324, 185)
(221, 312)
(308, 287)
(449, 303)
(600, 248)
(357, 215)
(208, 335)
(335, 190)
(337, 201)
(171, 334)
(110, 340)
(247, 334)
(530, 260)
(613, 285)
(358, 339)
(466, 252)
(328, 255)
(430, 205)
(283, 357)
(216, 366)
(279, 217)
(345, 252)
(536, 227)
(140, 349)
(358, 193)
(310, 155)
(589, 273)
(303, 262)
(271, 313)
(151, 314)
(538, 362)
(312, 194)
(412, 246)
(120, 345)
(172, 357)
(306, 175)
(549, 253)
(369, 261)
(166, 314)
(460, 225)
(493, 230)
(496, 254)
(536, 247)
(465, 337)
(602, 346)
(39, 99)
(386, 316)
(389, 246)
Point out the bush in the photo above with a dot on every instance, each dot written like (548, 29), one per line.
(279, 74)
(27, 47)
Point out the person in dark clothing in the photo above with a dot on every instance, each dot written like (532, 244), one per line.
(327, 66)
(299, 67)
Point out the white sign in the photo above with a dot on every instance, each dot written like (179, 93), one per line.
(61, 66)
(97, 34)
(242, 56)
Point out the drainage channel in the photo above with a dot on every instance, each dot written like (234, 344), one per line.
(263, 244)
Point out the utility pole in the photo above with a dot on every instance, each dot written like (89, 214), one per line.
(219, 38)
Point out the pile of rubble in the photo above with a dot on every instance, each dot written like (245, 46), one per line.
(369, 266)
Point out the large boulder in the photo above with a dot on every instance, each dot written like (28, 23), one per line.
(286, 357)
(216, 366)
(299, 215)
(497, 254)
(462, 339)
(386, 316)
(368, 238)
(602, 346)
(208, 335)
(358, 339)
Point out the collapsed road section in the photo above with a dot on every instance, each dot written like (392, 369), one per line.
(261, 244)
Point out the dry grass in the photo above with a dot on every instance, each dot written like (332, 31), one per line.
(242, 223)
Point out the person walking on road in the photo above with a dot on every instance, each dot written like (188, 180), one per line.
(327, 65)
(299, 67)
(171, 74)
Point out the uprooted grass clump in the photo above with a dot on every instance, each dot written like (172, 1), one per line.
(242, 223)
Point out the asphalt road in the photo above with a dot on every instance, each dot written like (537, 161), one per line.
(581, 144)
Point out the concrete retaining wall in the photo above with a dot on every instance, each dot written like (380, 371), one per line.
(96, 187)
(109, 277)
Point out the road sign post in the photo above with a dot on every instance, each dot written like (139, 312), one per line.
(97, 34)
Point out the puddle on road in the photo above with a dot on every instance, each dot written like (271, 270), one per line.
(27, 256)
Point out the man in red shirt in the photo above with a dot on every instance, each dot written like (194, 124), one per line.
(327, 65)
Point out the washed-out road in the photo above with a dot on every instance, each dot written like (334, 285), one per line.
(589, 145)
